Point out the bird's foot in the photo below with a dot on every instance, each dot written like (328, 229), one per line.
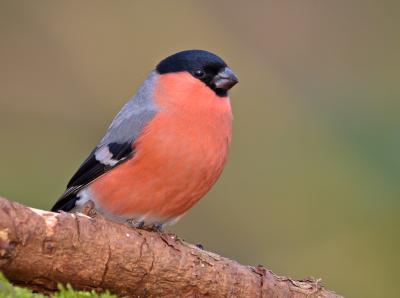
(154, 227)
(199, 245)
(136, 224)
(87, 209)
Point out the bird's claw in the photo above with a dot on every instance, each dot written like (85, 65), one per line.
(199, 245)
(158, 228)
(87, 209)
(136, 224)
(154, 227)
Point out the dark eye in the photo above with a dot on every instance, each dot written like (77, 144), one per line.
(198, 73)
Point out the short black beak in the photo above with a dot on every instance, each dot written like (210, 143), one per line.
(225, 79)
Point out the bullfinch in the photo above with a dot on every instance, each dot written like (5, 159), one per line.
(165, 149)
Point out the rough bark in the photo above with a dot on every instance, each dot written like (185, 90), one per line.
(39, 249)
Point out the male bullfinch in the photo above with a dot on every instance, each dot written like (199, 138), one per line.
(165, 149)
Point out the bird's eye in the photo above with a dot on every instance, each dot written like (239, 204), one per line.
(198, 73)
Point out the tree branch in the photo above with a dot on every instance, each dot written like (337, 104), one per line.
(39, 249)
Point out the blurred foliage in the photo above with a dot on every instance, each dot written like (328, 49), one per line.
(311, 186)
(8, 291)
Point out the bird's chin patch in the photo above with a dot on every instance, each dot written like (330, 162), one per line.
(221, 92)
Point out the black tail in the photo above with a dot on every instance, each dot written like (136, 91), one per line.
(65, 204)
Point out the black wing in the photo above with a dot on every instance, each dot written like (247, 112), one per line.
(99, 162)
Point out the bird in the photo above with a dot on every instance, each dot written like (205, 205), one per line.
(164, 150)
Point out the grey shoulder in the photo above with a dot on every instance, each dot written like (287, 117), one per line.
(129, 122)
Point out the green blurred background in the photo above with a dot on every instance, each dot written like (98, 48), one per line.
(311, 187)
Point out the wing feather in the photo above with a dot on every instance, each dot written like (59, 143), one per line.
(117, 145)
(90, 170)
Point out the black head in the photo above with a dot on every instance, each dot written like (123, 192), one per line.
(202, 65)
